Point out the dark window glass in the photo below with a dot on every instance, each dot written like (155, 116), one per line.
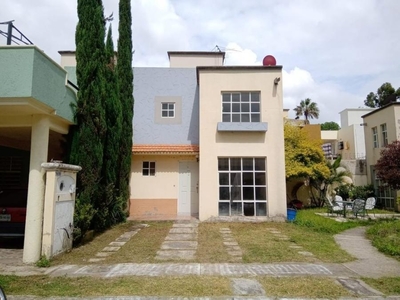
(248, 209)
(261, 209)
(145, 172)
(260, 178)
(236, 118)
(226, 118)
(255, 118)
(248, 178)
(236, 193)
(248, 193)
(255, 97)
(245, 118)
(235, 164)
(164, 105)
(171, 113)
(260, 164)
(224, 178)
(235, 107)
(236, 208)
(247, 164)
(245, 97)
(226, 107)
(235, 97)
(226, 97)
(223, 208)
(224, 193)
(236, 179)
(145, 164)
(245, 107)
(261, 193)
(255, 107)
(223, 164)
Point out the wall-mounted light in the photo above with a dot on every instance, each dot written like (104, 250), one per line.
(276, 80)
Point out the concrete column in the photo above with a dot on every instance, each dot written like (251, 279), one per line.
(34, 216)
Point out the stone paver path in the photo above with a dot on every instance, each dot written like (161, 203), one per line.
(117, 244)
(231, 245)
(370, 262)
(181, 242)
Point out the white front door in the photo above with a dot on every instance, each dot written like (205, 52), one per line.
(188, 202)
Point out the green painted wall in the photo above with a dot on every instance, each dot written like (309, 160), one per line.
(27, 72)
(16, 68)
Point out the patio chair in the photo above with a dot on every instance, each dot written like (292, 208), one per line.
(370, 204)
(358, 207)
(334, 208)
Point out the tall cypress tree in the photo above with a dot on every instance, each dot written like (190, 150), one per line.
(111, 210)
(89, 133)
(125, 92)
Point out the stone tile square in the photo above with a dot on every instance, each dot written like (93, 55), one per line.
(111, 249)
(183, 230)
(247, 287)
(103, 254)
(179, 245)
(117, 244)
(181, 237)
(96, 259)
(175, 254)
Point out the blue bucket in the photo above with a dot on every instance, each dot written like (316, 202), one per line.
(291, 214)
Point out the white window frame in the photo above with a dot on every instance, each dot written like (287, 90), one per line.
(241, 107)
(168, 110)
(233, 187)
(384, 135)
(375, 137)
(149, 168)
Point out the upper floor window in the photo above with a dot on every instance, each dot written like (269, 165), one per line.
(149, 168)
(375, 137)
(168, 110)
(241, 107)
(384, 135)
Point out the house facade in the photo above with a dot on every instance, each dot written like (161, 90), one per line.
(381, 127)
(208, 140)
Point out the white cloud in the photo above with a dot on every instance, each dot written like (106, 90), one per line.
(236, 55)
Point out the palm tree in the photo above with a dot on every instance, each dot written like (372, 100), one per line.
(307, 108)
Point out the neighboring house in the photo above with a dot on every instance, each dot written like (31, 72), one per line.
(381, 127)
(351, 143)
(35, 114)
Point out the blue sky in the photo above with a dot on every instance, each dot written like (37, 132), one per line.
(333, 51)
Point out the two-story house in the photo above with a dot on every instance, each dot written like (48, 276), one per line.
(381, 127)
(208, 140)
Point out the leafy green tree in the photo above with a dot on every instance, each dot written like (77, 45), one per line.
(384, 95)
(330, 126)
(324, 185)
(388, 165)
(125, 93)
(308, 109)
(89, 133)
(110, 210)
(303, 156)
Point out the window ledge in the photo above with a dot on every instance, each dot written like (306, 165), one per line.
(245, 126)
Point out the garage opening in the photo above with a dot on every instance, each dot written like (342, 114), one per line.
(14, 174)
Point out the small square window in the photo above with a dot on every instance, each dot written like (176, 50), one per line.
(168, 110)
(149, 168)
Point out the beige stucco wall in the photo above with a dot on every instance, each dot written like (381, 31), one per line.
(155, 197)
(192, 61)
(214, 144)
(68, 60)
(389, 115)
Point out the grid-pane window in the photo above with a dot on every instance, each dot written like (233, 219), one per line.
(241, 107)
(242, 186)
(168, 110)
(384, 135)
(149, 168)
(375, 137)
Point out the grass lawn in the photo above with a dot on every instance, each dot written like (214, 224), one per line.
(188, 286)
(258, 242)
(312, 232)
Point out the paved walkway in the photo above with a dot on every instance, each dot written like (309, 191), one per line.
(369, 263)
